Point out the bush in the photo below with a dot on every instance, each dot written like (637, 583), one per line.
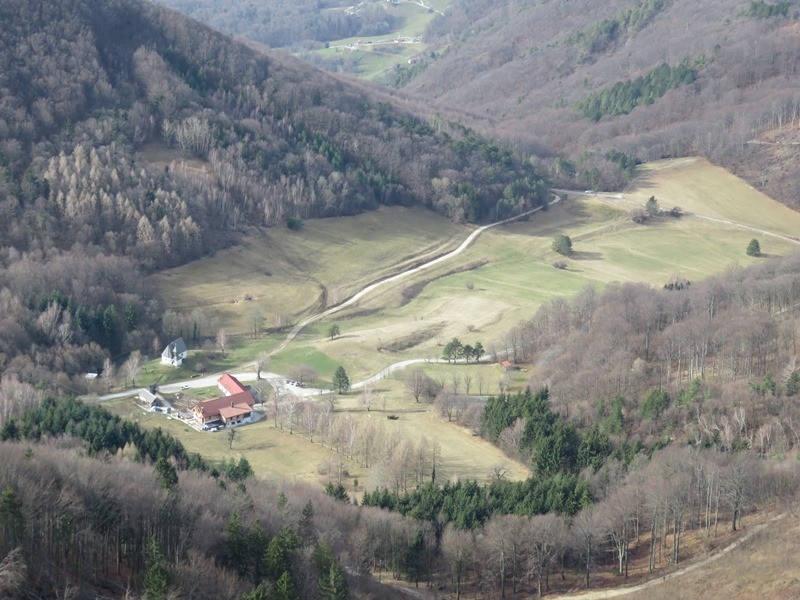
(754, 248)
(560, 264)
(294, 223)
(562, 244)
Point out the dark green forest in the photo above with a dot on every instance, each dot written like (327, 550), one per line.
(623, 97)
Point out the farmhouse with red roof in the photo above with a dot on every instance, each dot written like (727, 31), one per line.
(235, 407)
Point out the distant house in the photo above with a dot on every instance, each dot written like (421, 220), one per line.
(234, 408)
(174, 353)
(508, 365)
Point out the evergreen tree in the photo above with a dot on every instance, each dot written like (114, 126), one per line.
(651, 207)
(9, 430)
(341, 381)
(236, 542)
(415, 563)
(131, 318)
(453, 350)
(257, 543)
(307, 523)
(792, 384)
(562, 244)
(156, 575)
(280, 553)
(111, 337)
(337, 492)
(167, 475)
(11, 517)
(284, 588)
(258, 593)
(333, 585)
(753, 248)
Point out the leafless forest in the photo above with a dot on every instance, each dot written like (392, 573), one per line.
(518, 70)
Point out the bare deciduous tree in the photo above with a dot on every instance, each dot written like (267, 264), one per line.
(222, 341)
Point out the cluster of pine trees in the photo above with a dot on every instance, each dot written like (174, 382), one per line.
(623, 97)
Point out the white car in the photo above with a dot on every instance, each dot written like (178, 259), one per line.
(184, 387)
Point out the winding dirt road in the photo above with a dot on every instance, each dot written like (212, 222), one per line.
(402, 275)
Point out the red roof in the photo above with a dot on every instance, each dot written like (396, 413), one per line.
(210, 409)
(506, 363)
(230, 384)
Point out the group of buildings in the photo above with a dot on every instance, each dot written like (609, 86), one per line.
(234, 407)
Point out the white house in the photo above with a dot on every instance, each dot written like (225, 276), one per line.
(174, 353)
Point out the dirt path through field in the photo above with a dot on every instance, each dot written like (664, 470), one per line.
(616, 592)
(401, 275)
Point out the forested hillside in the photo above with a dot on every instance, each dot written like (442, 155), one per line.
(565, 78)
(577, 79)
(634, 369)
(132, 138)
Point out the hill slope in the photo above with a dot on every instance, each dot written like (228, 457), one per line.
(544, 74)
(653, 79)
(128, 130)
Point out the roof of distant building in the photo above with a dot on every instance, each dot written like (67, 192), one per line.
(175, 348)
(242, 401)
(231, 385)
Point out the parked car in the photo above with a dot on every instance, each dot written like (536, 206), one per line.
(185, 386)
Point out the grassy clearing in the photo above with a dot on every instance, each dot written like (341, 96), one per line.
(242, 350)
(508, 275)
(290, 273)
(274, 454)
(374, 58)
(512, 275)
(277, 455)
(516, 276)
(698, 186)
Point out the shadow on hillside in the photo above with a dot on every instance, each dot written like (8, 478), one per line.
(586, 256)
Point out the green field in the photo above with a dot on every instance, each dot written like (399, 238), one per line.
(698, 186)
(372, 57)
(291, 273)
(477, 296)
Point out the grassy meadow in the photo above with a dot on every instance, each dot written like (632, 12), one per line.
(497, 282)
(276, 455)
(699, 187)
(373, 59)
